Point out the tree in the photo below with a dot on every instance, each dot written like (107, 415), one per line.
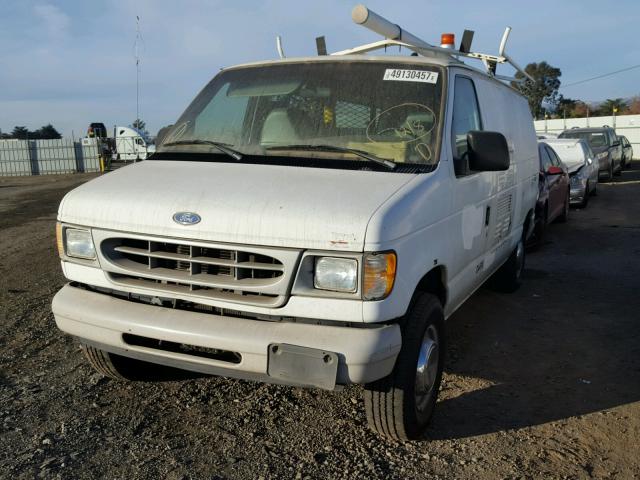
(141, 126)
(544, 88)
(634, 106)
(47, 132)
(607, 107)
(566, 106)
(21, 133)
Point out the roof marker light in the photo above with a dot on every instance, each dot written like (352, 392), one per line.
(447, 40)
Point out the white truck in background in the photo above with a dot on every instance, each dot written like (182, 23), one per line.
(126, 144)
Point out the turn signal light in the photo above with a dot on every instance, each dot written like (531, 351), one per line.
(379, 275)
(59, 241)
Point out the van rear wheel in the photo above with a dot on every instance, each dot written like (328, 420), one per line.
(400, 405)
(508, 278)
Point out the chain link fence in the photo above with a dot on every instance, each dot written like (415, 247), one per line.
(46, 157)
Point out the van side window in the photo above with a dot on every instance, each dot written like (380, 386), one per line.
(466, 117)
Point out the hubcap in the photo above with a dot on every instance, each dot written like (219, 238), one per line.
(427, 367)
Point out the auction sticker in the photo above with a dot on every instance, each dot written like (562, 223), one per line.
(410, 75)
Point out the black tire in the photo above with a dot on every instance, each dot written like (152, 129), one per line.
(393, 404)
(564, 216)
(610, 177)
(594, 192)
(508, 278)
(585, 199)
(539, 228)
(118, 367)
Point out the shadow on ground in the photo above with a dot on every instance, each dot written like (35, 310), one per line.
(568, 342)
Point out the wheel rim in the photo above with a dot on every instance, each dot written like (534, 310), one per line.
(427, 367)
(519, 259)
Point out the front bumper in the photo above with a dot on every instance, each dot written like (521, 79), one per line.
(363, 354)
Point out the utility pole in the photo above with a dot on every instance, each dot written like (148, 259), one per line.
(614, 111)
(139, 42)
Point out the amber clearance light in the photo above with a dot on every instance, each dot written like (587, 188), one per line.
(59, 241)
(379, 275)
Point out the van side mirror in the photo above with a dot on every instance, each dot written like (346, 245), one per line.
(616, 144)
(487, 151)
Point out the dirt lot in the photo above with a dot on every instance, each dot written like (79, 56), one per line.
(543, 383)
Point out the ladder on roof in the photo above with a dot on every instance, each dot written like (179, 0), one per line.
(395, 35)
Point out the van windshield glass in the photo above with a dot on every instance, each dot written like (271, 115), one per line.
(389, 111)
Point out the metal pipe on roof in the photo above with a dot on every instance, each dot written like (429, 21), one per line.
(374, 22)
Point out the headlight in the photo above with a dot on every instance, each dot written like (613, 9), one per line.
(337, 274)
(77, 243)
(379, 275)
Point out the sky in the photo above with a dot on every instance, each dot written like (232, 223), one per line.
(71, 62)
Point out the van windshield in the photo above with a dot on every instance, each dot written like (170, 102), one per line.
(387, 110)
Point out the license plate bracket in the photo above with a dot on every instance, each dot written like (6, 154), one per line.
(303, 365)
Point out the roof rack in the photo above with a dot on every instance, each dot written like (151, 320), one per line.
(395, 35)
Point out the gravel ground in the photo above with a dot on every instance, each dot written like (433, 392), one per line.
(543, 383)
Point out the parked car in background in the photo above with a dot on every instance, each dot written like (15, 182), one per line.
(605, 145)
(627, 151)
(543, 136)
(577, 156)
(553, 192)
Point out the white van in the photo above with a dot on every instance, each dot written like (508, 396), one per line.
(131, 144)
(311, 222)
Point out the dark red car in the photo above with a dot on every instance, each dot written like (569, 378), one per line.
(553, 194)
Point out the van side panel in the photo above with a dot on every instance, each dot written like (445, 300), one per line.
(439, 219)
(514, 190)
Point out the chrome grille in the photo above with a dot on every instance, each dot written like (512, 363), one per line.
(227, 274)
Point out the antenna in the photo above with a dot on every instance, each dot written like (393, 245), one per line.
(279, 46)
(395, 35)
(137, 45)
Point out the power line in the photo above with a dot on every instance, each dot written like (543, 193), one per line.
(600, 76)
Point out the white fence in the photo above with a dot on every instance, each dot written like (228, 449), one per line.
(627, 125)
(45, 157)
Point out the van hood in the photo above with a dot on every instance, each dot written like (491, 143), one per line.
(268, 205)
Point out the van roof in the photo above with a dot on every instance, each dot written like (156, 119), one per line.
(436, 60)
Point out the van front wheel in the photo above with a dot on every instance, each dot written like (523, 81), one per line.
(400, 405)
(118, 367)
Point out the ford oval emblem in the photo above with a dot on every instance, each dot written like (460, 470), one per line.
(186, 218)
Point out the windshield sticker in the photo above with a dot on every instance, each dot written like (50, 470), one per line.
(401, 75)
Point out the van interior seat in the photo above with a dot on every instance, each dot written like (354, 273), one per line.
(278, 129)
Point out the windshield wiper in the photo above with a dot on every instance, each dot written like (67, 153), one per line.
(223, 147)
(333, 148)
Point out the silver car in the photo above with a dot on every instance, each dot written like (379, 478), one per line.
(583, 168)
